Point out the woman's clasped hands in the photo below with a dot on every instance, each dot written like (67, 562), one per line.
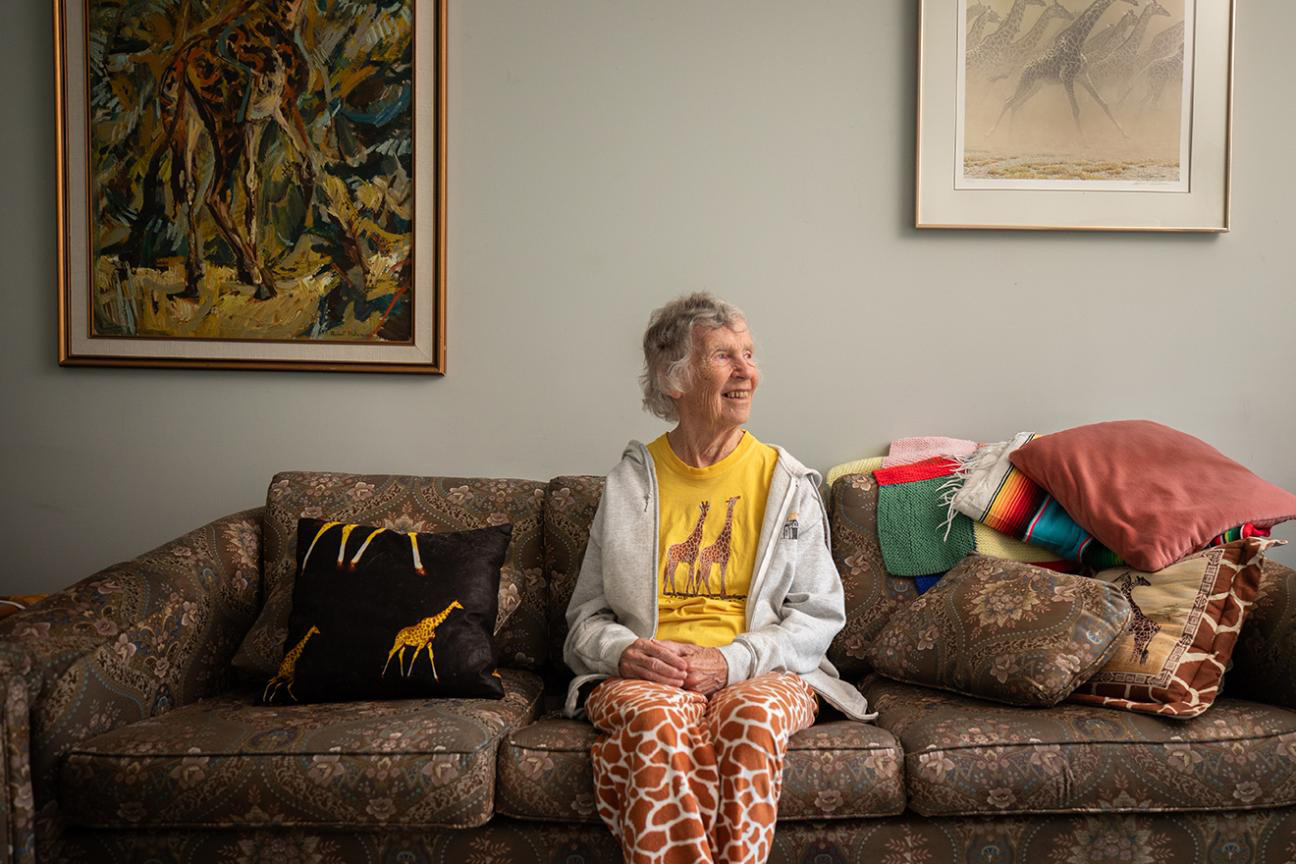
(675, 664)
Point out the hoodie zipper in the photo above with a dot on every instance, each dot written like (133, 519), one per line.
(754, 592)
(656, 535)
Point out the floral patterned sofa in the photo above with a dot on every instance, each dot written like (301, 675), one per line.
(128, 736)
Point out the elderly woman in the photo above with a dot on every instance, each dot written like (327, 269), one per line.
(705, 603)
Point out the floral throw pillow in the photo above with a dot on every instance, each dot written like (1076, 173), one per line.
(1187, 619)
(385, 614)
(1004, 630)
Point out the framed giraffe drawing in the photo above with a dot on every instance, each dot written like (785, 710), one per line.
(252, 184)
(1091, 115)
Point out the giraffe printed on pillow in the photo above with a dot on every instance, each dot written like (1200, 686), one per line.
(1190, 616)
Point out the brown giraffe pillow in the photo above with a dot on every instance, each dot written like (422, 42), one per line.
(1187, 619)
(384, 614)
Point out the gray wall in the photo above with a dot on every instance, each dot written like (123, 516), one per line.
(607, 155)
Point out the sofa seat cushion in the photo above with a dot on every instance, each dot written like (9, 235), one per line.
(228, 762)
(966, 756)
(834, 770)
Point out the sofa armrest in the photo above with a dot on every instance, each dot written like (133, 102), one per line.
(1264, 662)
(127, 643)
(16, 828)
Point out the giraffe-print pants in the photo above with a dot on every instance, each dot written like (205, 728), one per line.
(685, 778)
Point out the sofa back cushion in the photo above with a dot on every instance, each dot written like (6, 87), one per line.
(424, 504)
(1262, 668)
(872, 593)
(570, 504)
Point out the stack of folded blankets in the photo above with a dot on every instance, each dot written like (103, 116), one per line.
(1143, 494)
(1172, 532)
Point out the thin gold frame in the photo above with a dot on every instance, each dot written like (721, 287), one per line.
(436, 352)
(1224, 228)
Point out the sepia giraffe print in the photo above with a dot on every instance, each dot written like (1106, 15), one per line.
(686, 552)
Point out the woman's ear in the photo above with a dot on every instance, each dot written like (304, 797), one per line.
(677, 394)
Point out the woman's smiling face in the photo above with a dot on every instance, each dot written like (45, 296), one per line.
(724, 379)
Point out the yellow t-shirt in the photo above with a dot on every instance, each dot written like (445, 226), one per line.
(710, 524)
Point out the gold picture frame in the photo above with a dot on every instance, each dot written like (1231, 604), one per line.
(272, 200)
(997, 148)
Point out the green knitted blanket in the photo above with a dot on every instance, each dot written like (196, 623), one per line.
(911, 520)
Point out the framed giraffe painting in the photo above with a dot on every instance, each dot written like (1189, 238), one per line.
(252, 184)
(1092, 115)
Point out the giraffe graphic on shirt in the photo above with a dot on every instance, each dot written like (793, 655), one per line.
(717, 553)
(685, 552)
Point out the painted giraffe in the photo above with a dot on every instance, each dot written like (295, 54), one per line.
(418, 636)
(1120, 64)
(976, 29)
(1020, 52)
(1144, 628)
(1162, 45)
(1159, 75)
(685, 552)
(287, 669)
(225, 84)
(989, 53)
(1063, 63)
(1109, 38)
(717, 553)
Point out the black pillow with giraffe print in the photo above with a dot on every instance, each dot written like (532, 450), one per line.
(385, 614)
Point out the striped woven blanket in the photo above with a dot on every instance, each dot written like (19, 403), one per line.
(992, 491)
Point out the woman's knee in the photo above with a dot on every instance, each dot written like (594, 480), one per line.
(762, 715)
(642, 711)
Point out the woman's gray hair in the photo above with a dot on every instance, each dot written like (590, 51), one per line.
(668, 346)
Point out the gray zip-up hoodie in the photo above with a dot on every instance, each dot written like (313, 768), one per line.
(795, 605)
